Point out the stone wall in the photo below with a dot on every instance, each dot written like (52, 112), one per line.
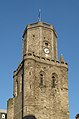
(39, 99)
(10, 109)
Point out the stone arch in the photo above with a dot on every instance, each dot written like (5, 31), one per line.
(46, 43)
(29, 117)
(41, 78)
(54, 80)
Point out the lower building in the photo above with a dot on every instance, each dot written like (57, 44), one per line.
(3, 114)
(10, 109)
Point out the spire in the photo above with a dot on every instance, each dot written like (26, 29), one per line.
(62, 59)
(39, 15)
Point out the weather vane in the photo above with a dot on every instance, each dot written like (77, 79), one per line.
(39, 15)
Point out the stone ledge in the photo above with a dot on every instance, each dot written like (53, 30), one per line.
(33, 56)
(44, 60)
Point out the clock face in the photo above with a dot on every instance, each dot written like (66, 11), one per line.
(3, 116)
(46, 50)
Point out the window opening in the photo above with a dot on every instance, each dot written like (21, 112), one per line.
(54, 81)
(41, 79)
(46, 44)
(33, 35)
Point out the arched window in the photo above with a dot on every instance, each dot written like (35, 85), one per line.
(29, 117)
(46, 44)
(41, 78)
(54, 80)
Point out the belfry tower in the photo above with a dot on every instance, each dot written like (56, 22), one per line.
(41, 80)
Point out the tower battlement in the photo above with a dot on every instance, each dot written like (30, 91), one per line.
(48, 61)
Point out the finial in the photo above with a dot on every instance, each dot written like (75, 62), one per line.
(62, 58)
(61, 54)
(39, 15)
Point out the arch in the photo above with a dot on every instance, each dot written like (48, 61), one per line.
(54, 80)
(46, 43)
(29, 117)
(41, 78)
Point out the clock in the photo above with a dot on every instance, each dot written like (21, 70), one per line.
(3, 116)
(46, 50)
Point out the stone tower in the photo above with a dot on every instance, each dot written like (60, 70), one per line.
(41, 80)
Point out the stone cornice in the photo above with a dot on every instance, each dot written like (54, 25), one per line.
(39, 59)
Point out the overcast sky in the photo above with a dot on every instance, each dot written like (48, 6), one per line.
(14, 16)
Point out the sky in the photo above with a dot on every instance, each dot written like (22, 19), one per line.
(14, 16)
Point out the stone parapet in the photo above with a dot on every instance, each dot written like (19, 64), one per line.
(45, 60)
(48, 61)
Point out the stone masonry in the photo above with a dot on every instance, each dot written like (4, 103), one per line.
(41, 80)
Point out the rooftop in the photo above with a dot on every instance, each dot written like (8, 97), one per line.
(3, 111)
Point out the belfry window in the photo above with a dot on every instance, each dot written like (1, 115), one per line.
(54, 80)
(46, 44)
(29, 117)
(41, 78)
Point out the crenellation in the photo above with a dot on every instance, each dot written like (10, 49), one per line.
(51, 61)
